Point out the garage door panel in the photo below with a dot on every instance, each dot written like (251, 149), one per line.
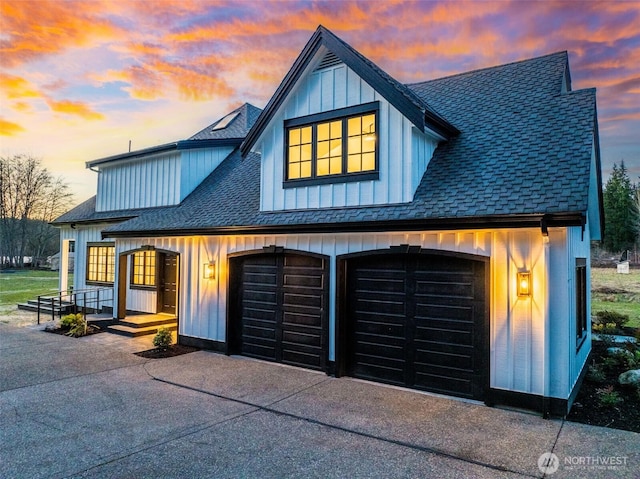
(254, 329)
(283, 301)
(443, 324)
(303, 280)
(385, 373)
(259, 351)
(445, 384)
(302, 359)
(393, 349)
(302, 336)
(447, 359)
(436, 336)
(381, 284)
(423, 327)
(374, 305)
(385, 328)
(436, 312)
(308, 301)
(301, 319)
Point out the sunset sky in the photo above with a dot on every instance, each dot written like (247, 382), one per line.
(79, 79)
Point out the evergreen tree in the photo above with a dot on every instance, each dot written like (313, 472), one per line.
(620, 211)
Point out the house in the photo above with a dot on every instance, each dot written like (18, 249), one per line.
(433, 235)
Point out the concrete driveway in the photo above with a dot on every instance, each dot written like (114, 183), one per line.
(88, 407)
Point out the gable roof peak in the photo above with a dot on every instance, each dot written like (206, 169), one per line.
(401, 97)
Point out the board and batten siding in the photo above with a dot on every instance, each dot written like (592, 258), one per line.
(404, 152)
(197, 164)
(143, 183)
(82, 236)
(157, 180)
(517, 324)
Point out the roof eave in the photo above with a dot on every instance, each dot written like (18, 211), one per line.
(538, 220)
(177, 145)
(94, 221)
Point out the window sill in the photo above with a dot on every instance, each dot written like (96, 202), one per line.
(98, 283)
(142, 287)
(335, 179)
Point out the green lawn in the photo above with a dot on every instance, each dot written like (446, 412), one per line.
(616, 292)
(21, 286)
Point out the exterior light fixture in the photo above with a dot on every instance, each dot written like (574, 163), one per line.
(524, 284)
(209, 270)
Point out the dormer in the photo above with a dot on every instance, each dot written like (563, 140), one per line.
(165, 175)
(340, 132)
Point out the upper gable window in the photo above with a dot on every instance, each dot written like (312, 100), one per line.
(332, 147)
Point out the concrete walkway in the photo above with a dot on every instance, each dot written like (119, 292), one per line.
(89, 408)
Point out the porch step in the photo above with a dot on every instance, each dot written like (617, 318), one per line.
(134, 332)
(45, 306)
(142, 325)
(143, 321)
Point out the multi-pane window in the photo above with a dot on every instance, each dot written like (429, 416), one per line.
(300, 153)
(581, 298)
(101, 263)
(143, 268)
(329, 150)
(362, 144)
(332, 145)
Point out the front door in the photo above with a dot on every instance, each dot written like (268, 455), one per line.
(168, 291)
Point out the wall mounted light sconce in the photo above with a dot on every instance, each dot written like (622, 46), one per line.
(209, 270)
(524, 284)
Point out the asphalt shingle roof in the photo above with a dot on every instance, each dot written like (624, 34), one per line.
(524, 149)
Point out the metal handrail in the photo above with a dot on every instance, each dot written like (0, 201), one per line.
(72, 297)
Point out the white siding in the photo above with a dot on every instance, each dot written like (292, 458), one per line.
(145, 183)
(403, 153)
(517, 324)
(82, 235)
(197, 164)
(422, 148)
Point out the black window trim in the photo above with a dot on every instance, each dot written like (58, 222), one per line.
(96, 244)
(313, 120)
(581, 301)
(146, 287)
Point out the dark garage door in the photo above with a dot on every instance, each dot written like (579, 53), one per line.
(417, 320)
(282, 304)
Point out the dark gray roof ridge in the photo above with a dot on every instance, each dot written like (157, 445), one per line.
(493, 67)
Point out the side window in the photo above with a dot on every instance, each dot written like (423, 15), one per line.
(101, 263)
(581, 300)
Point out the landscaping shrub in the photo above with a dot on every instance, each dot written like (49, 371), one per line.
(606, 328)
(70, 320)
(595, 374)
(162, 339)
(76, 323)
(608, 397)
(606, 318)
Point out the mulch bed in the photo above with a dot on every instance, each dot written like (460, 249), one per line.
(587, 408)
(173, 350)
(91, 329)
